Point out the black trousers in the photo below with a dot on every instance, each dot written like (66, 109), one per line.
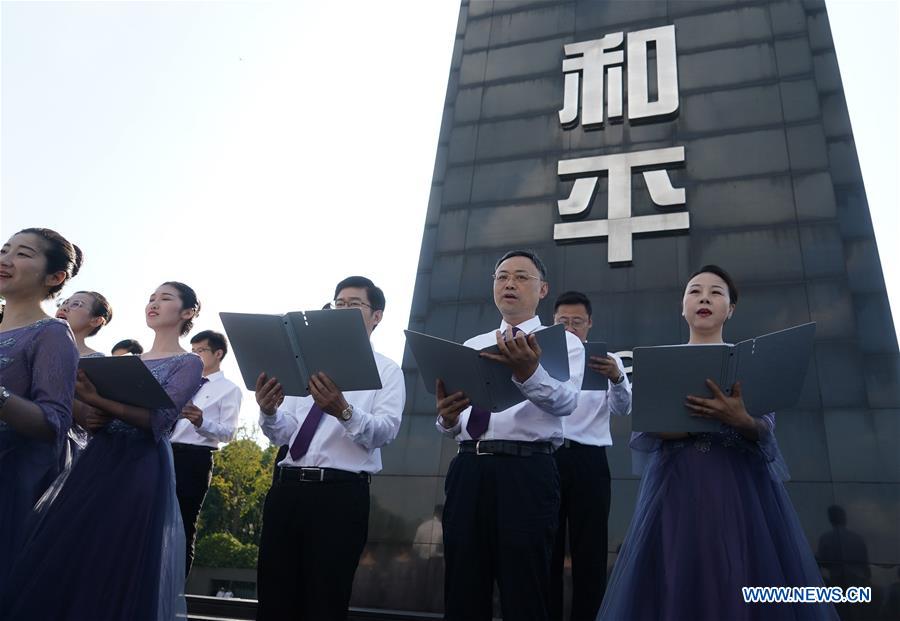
(312, 537)
(193, 472)
(499, 523)
(584, 514)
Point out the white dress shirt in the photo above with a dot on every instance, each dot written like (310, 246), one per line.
(589, 423)
(220, 401)
(354, 445)
(547, 400)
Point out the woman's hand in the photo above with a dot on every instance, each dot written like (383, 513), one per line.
(725, 409)
(85, 389)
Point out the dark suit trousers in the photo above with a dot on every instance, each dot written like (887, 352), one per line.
(312, 537)
(193, 473)
(584, 514)
(499, 523)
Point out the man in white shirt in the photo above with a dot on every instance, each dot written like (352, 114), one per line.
(584, 472)
(316, 516)
(209, 419)
(502, 505)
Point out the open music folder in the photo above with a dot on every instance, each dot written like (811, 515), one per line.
(126, 379)
(487, 383)
(771, 369)
(295, 346)
(592, 379)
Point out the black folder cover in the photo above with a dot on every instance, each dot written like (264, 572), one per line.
(771, 369)
(487, 383)
(126, 379)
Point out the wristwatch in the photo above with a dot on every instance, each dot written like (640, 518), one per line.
(346, 414)
(4, 395)
(620, 380)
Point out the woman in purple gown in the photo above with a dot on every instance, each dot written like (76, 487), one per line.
(108, 543)
(86, 312)
(38, 361)
(712, 514)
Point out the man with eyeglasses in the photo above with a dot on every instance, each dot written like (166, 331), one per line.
(502, 505)
(208, 421)
(316, 514)
(584, 472)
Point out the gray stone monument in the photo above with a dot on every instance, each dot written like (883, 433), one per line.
(629, 143)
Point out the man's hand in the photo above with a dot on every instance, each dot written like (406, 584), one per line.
(449, 407)
(521, 353)
(269, 394)
(606, 366)
(193, 414)
(326, 395)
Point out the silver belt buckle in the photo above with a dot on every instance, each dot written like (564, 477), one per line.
(318, 474)
(478, 450)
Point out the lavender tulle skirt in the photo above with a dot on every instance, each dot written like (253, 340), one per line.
(106, 542)
(27, 468)
(711, 517)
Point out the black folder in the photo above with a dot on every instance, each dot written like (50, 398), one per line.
(771, 369)
(126, 379)
(487, 383)
(295, 346)
(592, 379)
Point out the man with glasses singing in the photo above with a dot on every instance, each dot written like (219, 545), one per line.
(502, 505)
(209, 420)
(584, 472)
(316, 515)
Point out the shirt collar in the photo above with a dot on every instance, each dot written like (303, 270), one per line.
(214, 376)
(526, 326)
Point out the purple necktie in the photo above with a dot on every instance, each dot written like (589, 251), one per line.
(203, 382)
(479, 418)
(307, 430)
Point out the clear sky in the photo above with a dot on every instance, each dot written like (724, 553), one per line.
(262, 151)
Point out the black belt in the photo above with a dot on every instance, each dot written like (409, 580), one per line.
(514, 448)
(574, 444)
(293, 474)
(184, 446)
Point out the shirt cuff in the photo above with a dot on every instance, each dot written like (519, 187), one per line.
(267, 421)
(354, 425)
(537, 379)
(449, 431)
(621, 385)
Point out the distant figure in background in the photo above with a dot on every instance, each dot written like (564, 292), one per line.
(128, 346)
(428, 542)
(210, 418)
(86, 312)
(844, 553)
(38, 361)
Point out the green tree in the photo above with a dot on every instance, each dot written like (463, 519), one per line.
(223, 550)
(242, 474)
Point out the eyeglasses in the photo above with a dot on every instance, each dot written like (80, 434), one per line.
(348, 304)
(519, 277)
(201, 350)
(572, 322)
(70, 304)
